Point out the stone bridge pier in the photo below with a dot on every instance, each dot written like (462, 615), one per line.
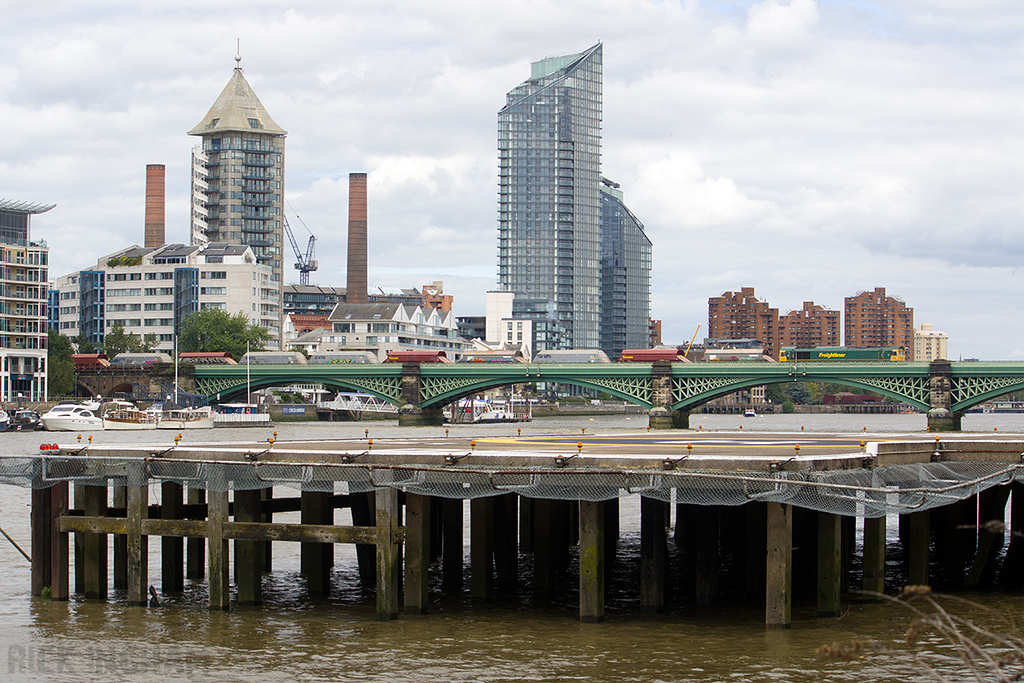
(409, 412)
(941, 417)
(661, 415)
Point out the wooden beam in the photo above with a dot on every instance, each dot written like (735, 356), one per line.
(41, 537)
(653, 552)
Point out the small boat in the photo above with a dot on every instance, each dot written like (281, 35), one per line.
(187, 418)
(122, 415)
(72, 417)
(749, 412)
(5, 420)
(25, 420)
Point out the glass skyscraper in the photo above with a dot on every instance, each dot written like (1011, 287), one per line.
(549, 203)
(625, 275)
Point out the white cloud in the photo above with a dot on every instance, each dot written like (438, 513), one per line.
(809, 150)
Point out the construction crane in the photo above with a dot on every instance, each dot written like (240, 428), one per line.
(306, 264)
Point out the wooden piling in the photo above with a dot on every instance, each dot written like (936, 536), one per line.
(119, 499)
(418, 523)
(388, 553)
(172, 548)
(41, 538)
(543, 547)
(526, 525)
(611, 532)
(217, 550)
(362, 508)
(991, 508)
(1011, 574)
(481, 548)
(94, 546)
(755, 522)
(78, 503)
(779, 569)
(267, 547)
(58, 542)
(916, 550)
(592, 563)
(706, 522)
(317, 559)
(829, 564)
(138, 546)
(653, 554)
(249, 554)
(195, 548)
(506, 541)
(452, 551)
(874, 559)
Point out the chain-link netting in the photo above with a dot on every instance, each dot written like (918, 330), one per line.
(869, 492)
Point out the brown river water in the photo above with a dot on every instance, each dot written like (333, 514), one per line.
(292, 637)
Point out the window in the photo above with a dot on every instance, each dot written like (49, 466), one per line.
(214, 275)
(214, 291)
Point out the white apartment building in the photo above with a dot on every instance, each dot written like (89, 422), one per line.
(386, 327)
(930, 344)
(150, 290)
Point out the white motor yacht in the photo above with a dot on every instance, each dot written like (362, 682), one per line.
(72, 417)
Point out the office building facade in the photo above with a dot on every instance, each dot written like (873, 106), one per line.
(24, 297)
(549, 204)
(238, 179)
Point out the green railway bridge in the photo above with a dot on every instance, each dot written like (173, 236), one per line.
(669, 391)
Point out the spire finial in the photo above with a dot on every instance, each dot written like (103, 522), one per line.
(238, 56)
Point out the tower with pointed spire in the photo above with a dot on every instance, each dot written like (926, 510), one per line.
(238, 178)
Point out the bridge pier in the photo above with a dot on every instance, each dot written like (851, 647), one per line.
(661, 415)
(940, 383)
(409, 412)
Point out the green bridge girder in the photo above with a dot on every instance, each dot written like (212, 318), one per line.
(693, 383)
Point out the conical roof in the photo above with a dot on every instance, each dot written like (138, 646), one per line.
(237, 109)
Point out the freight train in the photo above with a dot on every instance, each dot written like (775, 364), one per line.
(843, 353)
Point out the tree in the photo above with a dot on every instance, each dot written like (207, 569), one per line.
(60, 366)
(83, 344)
(214, 330)
(117, 341)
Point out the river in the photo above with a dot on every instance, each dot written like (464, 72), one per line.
(292, 637)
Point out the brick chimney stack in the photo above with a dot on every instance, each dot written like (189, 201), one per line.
(356, 284)
(155, 216)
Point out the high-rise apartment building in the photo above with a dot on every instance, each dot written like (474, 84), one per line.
(874, 319)
(741, 315)
(810, 326)
(930, 344)
(625, 275)
(549, 203)
(238, 179)
(24, 297)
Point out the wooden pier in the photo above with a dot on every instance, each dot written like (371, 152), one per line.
(781, 511)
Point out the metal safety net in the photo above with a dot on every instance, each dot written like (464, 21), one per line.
(864, 492)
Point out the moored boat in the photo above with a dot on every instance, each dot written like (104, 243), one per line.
(72, 417)
(122, 415)
(750, 412)
(187, 418)
(25, 420)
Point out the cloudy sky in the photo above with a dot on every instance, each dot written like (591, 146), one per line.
(809, 149)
